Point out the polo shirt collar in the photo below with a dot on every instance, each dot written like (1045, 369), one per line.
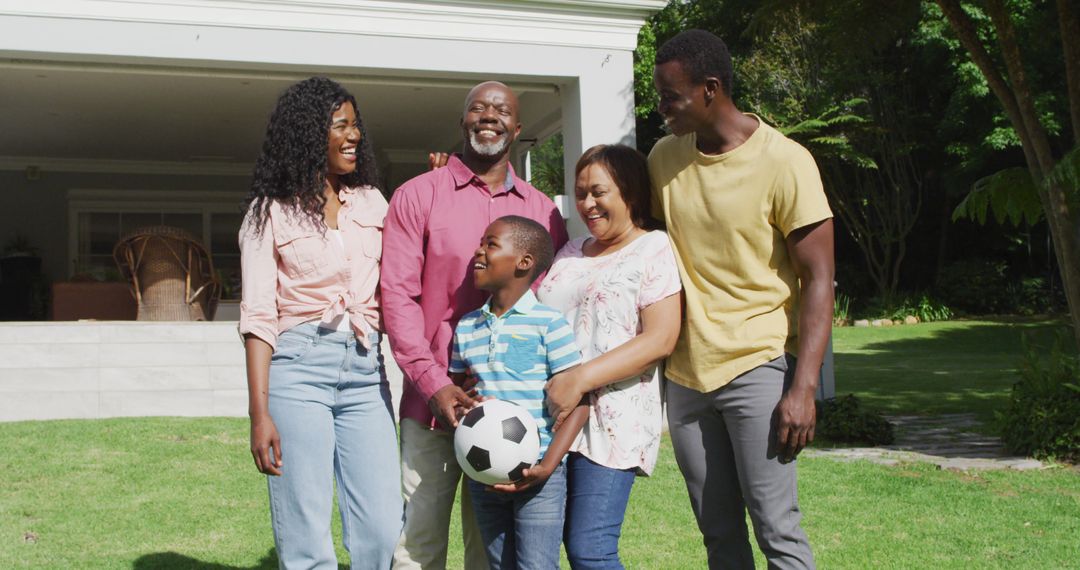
(463, 176)
(524, 306)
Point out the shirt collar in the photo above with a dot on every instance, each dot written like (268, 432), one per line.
(463, 176)
(524, 306)
(347, 193)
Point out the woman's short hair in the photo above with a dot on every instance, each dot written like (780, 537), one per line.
(630, 171)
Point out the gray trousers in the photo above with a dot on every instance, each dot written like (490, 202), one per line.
(724, 444)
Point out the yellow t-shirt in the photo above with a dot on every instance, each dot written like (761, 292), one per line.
(727, 217)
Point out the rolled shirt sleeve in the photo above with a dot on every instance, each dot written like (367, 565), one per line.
(798, 197)
(259, 274)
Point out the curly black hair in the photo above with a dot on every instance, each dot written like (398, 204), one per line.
(292, 166)
(702, 54)
(528, 236)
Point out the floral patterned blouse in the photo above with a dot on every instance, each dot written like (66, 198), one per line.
(602, 298)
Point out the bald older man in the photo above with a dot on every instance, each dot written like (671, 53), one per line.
(433, 228)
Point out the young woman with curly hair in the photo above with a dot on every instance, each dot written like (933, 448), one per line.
(319, 401)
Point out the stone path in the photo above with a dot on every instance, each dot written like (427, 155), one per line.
(946, 441)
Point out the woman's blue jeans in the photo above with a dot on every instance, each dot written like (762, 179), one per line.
(330, 401)
(522, 530)
(596, 498)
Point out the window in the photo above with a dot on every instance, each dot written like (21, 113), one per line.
(100, 218)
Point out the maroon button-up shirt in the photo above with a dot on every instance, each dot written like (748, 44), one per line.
(433, 227)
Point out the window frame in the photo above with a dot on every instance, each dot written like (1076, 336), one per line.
(204, 202)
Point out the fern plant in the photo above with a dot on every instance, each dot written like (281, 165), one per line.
(1012, 196)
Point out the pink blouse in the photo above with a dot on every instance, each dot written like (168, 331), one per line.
(294, 272)
(602, 297)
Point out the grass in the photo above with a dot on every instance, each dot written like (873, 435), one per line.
(148, 493)
(182, 493)
(934, 368)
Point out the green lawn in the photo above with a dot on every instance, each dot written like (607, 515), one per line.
(934, 368)
(182, 493)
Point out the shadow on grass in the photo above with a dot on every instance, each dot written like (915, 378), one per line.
(173, 560)
(966, 368)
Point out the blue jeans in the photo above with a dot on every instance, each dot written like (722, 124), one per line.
(596, 498)
(522, 530)
(330, 401)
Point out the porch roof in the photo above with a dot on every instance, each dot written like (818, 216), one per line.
(184, 87)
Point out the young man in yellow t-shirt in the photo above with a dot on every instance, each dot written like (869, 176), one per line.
(753, 235)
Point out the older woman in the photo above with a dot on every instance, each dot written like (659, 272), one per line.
(619, 288)
(318, 397)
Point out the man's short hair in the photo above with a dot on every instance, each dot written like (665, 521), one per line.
(702, 54)
(530, 237)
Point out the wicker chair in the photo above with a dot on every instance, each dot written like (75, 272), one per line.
(171, 274)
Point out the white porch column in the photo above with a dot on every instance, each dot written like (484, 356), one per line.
(598, 108)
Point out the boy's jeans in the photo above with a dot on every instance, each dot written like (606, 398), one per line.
(522, 530)
(330, 401)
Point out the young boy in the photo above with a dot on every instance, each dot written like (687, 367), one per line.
(512, 346)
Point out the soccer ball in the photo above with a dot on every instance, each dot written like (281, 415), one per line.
(496, 441)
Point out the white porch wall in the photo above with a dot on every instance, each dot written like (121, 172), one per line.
(87, 370)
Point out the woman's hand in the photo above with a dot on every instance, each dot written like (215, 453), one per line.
(264, 438)
(564, 392)
(531, 477)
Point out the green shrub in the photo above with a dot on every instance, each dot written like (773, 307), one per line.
(844, 420)
(1042, 418)
(926, 308)
(923, 306)
(1032, 296)
(977, 286)
(841, 309)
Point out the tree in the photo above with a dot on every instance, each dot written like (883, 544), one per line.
(880, 206)
(934, 65)
(794, 72)
(1054, 179)
(547, 166)
(873, 183)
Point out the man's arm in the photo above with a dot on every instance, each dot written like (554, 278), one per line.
(811, 251)
(402, 266)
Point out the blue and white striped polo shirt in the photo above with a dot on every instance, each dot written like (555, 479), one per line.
(514, 355)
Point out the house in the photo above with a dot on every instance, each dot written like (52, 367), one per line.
(122, 113)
